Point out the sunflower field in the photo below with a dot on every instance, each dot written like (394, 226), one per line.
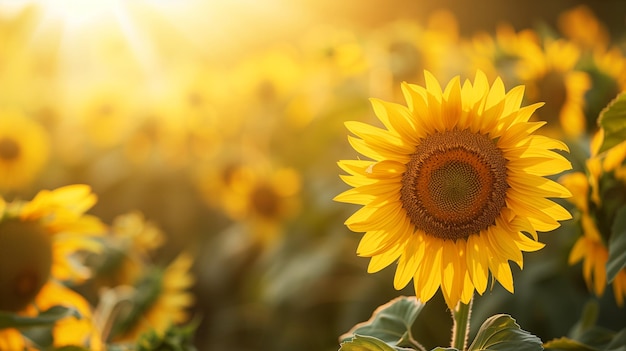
(312, 175)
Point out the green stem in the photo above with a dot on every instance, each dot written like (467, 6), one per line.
(460, 329)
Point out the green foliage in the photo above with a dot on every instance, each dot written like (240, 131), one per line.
(617, 245)
(71, 348)
(147, 290)
(588, 319)
(175, 338)
(444, 349)
(45, 318)
(390, 323)
(613, 120)
(586, 336)
(365, 343)
(501, 332)
(595, 339)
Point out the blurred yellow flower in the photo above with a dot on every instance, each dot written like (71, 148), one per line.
(591, 248)
(24, 150)
(162, 300)
(38, 240)
(127, 250)
(105, 114)
(550, 74)
(607, 70)
(581, 26)
(402, 50)
(498, 55)
(454, 182)
(262, 199)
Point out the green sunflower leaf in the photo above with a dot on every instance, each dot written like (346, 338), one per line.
(617, 246)
(390, 322)
(613, 120)
(365, 343)
(567, 344)
(596, 339)
(72, 348)
(175, 338)
(501, 333)
(45, 318)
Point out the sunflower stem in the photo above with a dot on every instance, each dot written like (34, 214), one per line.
(460, 329)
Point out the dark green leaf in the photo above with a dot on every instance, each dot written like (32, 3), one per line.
(71, 348)
(175, 338)
(45, 318)
(595, 339)
(619, 342)
(567, 344)
(500, 332)
(41, 337)
(587, 320)
(444, 349)
(390, 322)
(613, 120)
(365, 343)
(617, 245)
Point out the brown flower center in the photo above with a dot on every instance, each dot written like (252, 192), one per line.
(25, 263)
(9, 149)
(553, 91)
(455, 184)
(265, 201)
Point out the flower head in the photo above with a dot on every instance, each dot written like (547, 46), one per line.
(23, 150)
(551, 75)
(455, 187)
(594, 197)
(37, 241)
(161, 300)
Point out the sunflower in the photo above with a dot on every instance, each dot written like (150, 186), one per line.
(24, 150)
(498, 55)
(262, 199)
(161, 300)
(455, 187)
(402, 49)
(131, 241)
(550, 73)
(37, 241)
(592, 198)
(581, 26)
(106, 114)
(607, 70)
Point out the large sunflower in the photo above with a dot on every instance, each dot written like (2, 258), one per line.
(37, 241)
(455, 187)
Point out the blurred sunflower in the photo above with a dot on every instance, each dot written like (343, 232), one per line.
(596, 196)
(550, 74)
(37, 242)
(127, 250)
(581, 26)
(402, 50)
(455, 181)
(607, 70)
(161, 300)
(24, 150)
(498, 55)
(105, 114)
(262, 200)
